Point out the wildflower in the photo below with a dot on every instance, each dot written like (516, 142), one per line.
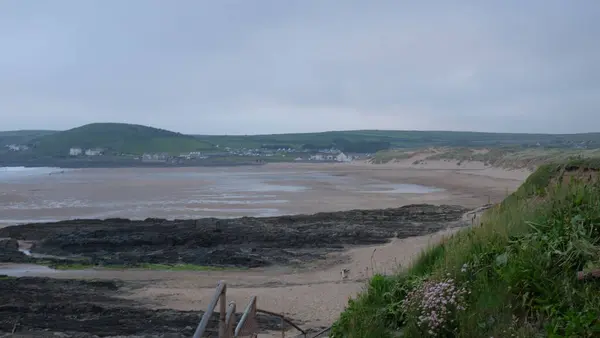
(434, 304)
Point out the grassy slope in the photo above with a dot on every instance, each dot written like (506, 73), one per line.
(119, 138)
(518, 270)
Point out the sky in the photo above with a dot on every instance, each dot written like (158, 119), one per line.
(273, 66)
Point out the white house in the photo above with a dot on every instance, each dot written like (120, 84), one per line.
(163, 157)
(341, 157)
(17, 147)
(93, 152)
(75, 151)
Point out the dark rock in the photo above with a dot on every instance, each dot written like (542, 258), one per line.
(9, 251)
(9, 244)
(246, 241)
(41, 307)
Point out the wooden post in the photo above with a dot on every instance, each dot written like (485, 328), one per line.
(223, 314)
(210, 310)
(230, 319)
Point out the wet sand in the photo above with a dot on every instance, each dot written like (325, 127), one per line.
(270, 190)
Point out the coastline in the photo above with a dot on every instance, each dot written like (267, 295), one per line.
(302, 283)
(303, 253)
(123, 164)
(229, 192)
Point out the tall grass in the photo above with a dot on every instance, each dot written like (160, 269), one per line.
(519, 268)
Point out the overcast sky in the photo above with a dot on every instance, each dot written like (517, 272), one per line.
(274, 66)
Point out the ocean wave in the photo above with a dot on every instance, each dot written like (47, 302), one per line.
(17, 172)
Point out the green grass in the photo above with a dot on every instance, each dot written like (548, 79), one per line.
(519, 269)
(143, 266)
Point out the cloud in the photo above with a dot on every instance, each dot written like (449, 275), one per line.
(269, 66)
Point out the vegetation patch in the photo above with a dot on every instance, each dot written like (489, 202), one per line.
(516, 275)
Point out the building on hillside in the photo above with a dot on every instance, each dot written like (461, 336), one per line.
(75, 151)
(357, 156)
(192, 155)
(17, 147)
(323, 157)
(93, 152)
(317, 157)
(341, 157)
(163, 157)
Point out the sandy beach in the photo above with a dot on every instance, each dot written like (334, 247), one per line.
(313, 294)
(270, 190)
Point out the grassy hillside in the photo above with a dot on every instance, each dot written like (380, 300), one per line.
(118, 138)
(513, 276)
(406, 139)
(22, 136)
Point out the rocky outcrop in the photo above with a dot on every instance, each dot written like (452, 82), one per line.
(246, 241)
(44, 307)
(9, 245)
(9, 251)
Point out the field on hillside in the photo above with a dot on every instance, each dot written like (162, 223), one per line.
(526, 271)
(384, 139)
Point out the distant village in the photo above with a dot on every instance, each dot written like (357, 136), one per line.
(321, 155)
(260, 155)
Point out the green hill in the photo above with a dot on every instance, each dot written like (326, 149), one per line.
(375, 140)
(22, 136)
(515, 275)
(135, 139)
(118, 138)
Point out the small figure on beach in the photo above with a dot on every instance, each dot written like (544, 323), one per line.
(345, 273)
